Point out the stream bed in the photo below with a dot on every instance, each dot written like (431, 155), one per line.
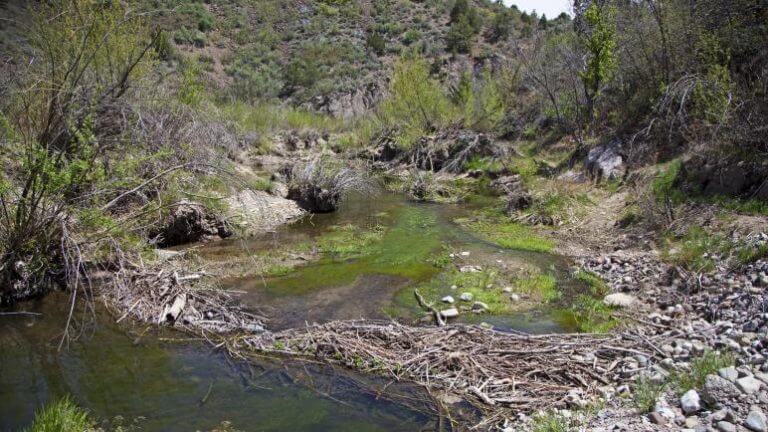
(380, 283)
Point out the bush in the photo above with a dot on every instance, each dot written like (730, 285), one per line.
(460, 36)
(376, 43)
(416, 104)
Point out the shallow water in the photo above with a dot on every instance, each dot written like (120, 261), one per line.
(380, 284)
(112, 374)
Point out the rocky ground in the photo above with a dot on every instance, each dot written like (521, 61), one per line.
(724, 311)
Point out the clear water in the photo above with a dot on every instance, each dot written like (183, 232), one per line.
(112, 374)
(380, 284)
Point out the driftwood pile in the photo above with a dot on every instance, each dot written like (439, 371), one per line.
(165, 297)
(502, 374)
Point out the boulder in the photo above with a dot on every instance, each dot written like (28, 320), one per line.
(717, 391)
(605, 163)
(449, 313)
(749, 384)
(315, 199)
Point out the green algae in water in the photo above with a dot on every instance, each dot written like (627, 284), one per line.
(508, 235)
(110, 374)
(401, 250)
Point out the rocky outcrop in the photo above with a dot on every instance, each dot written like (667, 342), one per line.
(349, 104)
(255, 211)
(189, 222)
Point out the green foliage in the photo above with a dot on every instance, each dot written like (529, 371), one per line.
(541, 287)
(376, 43)
(645, 394)
(600, 44)
(550, 422)
(349, 241)
(707, 364)
(164, 46)
(693, 250)
(191, 90)
(416, 104)
(481, 104)
(664, 185)
(62, 416)
(460, 36)
(501, 26)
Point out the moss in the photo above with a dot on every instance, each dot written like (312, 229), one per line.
(61, 416)
(507, 234)
(349, 241)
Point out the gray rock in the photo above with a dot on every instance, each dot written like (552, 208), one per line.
(756, 421)
(725, 426)
(690, 402)
(619, 300)
(447, 299)
(467, 297)
(730, 373)
(605, 163)
(717, 390)
(749, 385)
(479, 307)
(449, 313)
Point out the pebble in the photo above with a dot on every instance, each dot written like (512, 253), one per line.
(657, 418)
(449, 313)
(725, 426)
(479, 307)
(464, 254)
(514, 298)
(467, 297)
(619, 300)
(690, 402)
(448, 299)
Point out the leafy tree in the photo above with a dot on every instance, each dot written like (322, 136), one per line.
(600, 44)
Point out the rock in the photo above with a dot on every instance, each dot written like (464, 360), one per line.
(657, 418)
(449, 313)
(447, 299)
(605, 163)
(691, 422)
(467, 297)
(464, 254)
(279, 189)
(748, 385)
(515, 298)
(725, 426)
(690, 402)
(507, 290)
(621, 300)
(730, 373)
(478, 307)
(717, 390)
(756, 421)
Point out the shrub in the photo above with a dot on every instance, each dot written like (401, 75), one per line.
(376, 43)
(460, 36)
(416, 104)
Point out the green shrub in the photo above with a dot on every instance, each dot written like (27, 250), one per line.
(707, 364)
(645, 394)
(460, 36)
(376, 43)
(416, 104)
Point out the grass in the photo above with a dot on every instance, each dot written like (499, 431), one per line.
(709, 363)
(748, 255)
(508, 235)
(268, 118)
(550, 422)
(587, 312)
(541, 287)
(692, 250)
(62, 416)
(645, 394)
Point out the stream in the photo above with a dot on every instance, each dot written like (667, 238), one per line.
(173, 385)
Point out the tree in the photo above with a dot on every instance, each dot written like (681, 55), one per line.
(460, 36)
(600, 44)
